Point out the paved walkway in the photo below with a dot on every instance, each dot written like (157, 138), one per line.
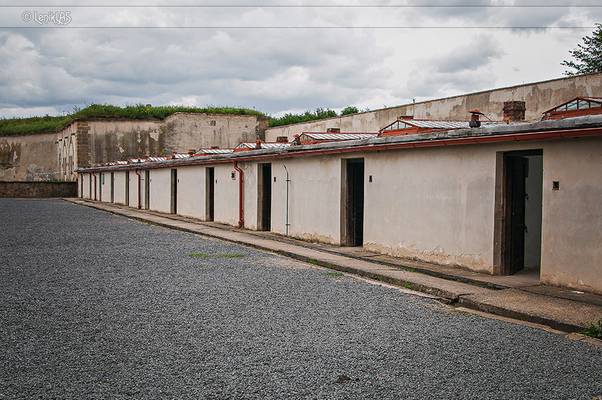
(518, 298)
(97, 306)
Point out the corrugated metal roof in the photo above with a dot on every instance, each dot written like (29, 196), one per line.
(338, 136)
(437, 124)
(214, 151)
(156, 159)
(270, 145)
(181, 155)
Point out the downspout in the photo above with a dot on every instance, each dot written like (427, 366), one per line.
(137, 171)
(241, 195)
(94, 175)
(286, 224)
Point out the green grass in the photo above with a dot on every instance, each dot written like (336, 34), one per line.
(335, 274)
(199, 255)
(48, 124)
(408, 285)
(229, 255)
(594, 330)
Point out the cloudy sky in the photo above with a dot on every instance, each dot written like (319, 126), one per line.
(277, 55)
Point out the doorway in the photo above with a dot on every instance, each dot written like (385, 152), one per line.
(264, 197)
(174, 191)
(352, 207)
(209, 193)
(112, 187)
(523, 187)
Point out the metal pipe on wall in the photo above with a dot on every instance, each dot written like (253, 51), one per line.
(139, 188)
(241, 195)
(286, 224)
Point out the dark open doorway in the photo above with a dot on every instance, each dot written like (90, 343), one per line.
(209, 193)
(522, 199)
(264, 197)
(352, 206)
(174, 191)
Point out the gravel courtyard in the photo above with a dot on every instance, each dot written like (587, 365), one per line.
(94, 306)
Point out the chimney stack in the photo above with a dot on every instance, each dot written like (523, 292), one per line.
(333, 130)
(475, 121)
(191, 152)
(282, 139)
(258, 144)
(514, 111)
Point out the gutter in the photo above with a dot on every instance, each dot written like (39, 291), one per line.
(379, 144)
(241, 195)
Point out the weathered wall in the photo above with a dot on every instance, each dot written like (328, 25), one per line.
(38, 189)
(185, 131)
(191, 192)
(29, 158)
(226, 195)
(314, 198)
(539, 97)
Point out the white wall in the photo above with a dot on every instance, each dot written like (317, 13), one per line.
(134, 188)
(572, 216)
(105, 186)
(191, 192)
(432, 204)
(119, 187)
(226, 195)
(533, 207)
(160, 190)
(314, 198)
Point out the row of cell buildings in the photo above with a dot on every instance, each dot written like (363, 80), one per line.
(500, 197)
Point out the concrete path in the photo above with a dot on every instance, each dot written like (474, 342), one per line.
(513, 298)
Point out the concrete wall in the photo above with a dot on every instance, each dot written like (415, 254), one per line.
(185, 131)
(38, 189)
(191, 192)
(572, 216)
(539, 97)
(105, 186)
(119, 187)
(134, 189)
(314, 198)
(226, 195)
(160, 190)
(29, 158)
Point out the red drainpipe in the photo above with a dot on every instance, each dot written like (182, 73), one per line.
(241, 196)
(94, 175)
(139, 191)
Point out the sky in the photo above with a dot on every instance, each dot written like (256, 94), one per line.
(277, 56)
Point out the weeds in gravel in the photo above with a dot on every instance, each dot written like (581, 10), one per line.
(408, 285)
(198, 255)
(313, 262)
(229, 255)
(335, 274)
(594, 330)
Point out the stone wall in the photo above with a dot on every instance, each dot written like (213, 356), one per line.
(29, 158)
(539, 97)
(38, 189)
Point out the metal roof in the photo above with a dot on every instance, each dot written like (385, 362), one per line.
(264, 145)
(214, 151)
(338, 136)
(181, 155)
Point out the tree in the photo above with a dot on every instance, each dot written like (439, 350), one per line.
(349, 110)
(588, 56)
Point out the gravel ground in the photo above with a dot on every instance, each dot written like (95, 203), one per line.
(94, 305)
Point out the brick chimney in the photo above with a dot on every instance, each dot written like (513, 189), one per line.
(282, 139)
(514, 111)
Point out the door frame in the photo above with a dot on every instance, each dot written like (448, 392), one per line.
(264, 189)
(502, 221)
(349, 238)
